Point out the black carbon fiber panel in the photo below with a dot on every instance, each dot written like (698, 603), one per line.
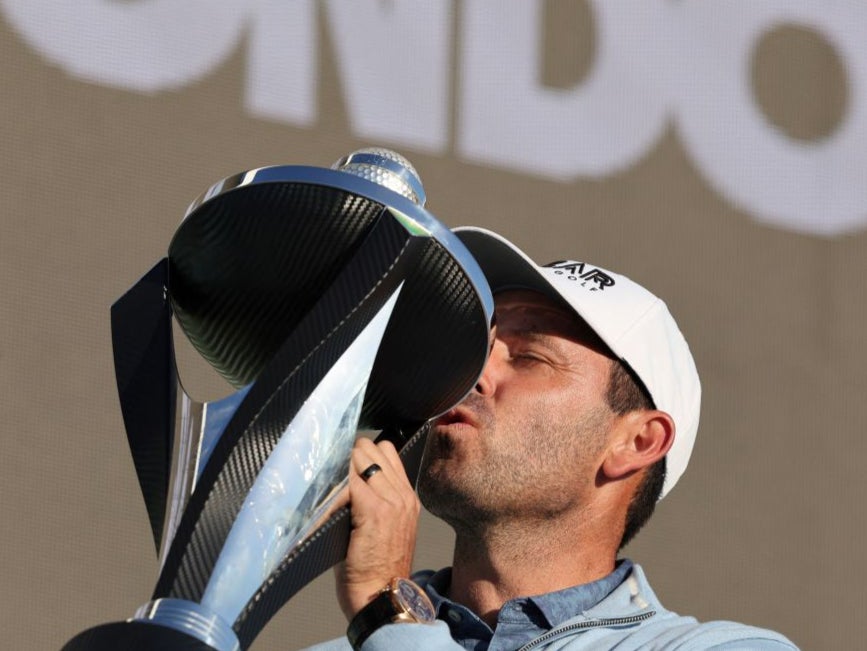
(147, 385)
(245, 269)
(433, 350)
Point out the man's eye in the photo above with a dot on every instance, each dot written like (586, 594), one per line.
(527, 357)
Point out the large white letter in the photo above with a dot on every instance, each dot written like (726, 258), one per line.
(147, 45)
(393, 59)
(282, 64)
(815, 187)
(601, 126)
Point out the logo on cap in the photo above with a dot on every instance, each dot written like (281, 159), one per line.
(579, 271)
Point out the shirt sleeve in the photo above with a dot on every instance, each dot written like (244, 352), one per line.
(731, 636)
(406, 637)
(412, 637)
(756, 644)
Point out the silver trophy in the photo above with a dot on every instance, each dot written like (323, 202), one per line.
(332, 301)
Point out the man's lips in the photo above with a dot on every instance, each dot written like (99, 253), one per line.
(458, 416)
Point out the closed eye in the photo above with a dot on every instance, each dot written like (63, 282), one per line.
(529, 357)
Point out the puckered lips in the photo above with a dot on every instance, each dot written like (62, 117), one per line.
(457, 419)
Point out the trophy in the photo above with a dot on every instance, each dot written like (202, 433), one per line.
(332, 302)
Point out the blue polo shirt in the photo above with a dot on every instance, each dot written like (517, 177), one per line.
(519, 620)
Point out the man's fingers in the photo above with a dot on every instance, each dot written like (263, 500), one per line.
(384, 520)
(375, 465)
(388, 484)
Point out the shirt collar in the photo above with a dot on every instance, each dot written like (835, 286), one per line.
(555, 607)
(561, 605)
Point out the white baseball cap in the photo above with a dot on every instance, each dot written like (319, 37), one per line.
(635, 324)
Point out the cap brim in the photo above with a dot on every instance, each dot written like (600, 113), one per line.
(507, 267)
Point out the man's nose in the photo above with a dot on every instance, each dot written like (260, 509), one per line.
(487, 383)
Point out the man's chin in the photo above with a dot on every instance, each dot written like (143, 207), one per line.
(433, 489)
(441, 495)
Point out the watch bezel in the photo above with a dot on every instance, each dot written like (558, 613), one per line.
(411, 602)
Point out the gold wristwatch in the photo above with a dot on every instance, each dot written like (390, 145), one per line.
(400, 601)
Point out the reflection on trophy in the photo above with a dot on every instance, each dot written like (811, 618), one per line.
(332, 301)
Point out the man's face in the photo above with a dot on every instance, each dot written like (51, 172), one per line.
(528, 441)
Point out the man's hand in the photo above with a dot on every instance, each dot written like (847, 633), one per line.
(385, 512)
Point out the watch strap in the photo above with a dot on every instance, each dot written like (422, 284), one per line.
(377, 613)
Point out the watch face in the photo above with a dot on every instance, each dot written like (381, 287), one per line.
(415, 601)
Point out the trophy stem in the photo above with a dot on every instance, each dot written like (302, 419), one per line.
(198, 429)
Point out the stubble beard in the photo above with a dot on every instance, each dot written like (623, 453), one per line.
(531, 482)
(451, 488)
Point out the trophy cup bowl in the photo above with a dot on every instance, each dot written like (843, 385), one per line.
(332, 301)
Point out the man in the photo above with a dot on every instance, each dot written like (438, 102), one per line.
(585, 415)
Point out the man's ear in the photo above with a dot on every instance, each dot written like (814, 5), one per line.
(642, 438)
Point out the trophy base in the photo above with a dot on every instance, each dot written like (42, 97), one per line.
(134, 636)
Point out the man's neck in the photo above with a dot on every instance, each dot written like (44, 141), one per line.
(494, 564)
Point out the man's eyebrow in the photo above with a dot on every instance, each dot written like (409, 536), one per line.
(543, 336)
(552, 323)
(548, 333)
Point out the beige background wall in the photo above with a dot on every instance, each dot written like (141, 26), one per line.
(766, 524)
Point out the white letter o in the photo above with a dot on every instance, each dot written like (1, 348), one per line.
(815, 187)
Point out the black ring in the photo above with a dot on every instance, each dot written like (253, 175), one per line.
(370, 471)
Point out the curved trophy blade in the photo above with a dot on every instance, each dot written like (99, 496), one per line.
(141, 333)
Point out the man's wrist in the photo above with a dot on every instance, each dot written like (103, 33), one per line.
(400, 601)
